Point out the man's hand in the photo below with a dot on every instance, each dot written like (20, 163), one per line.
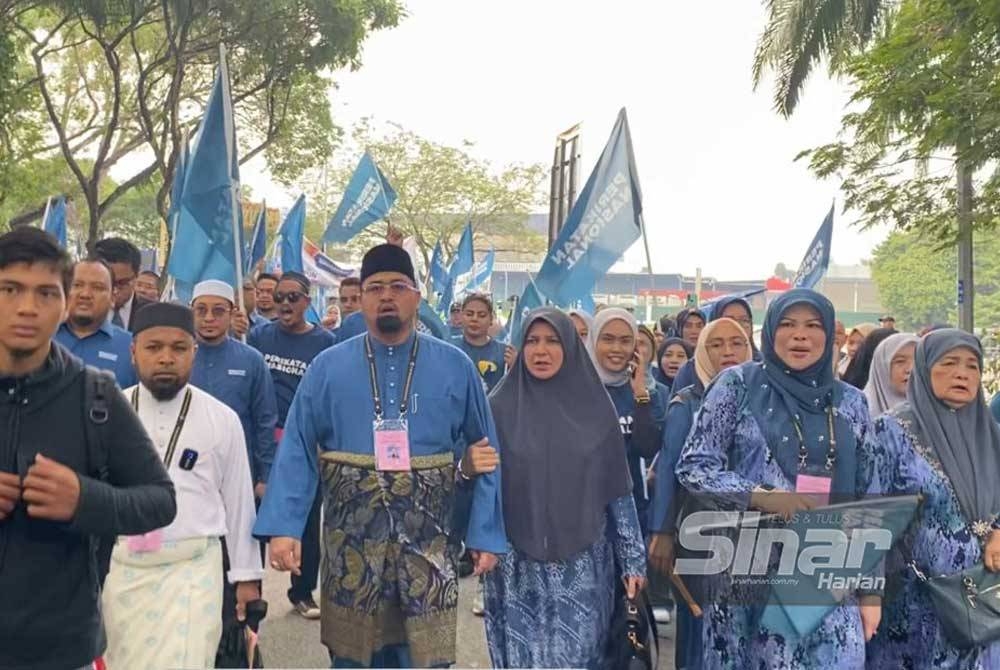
(240, 324)
(246, 592)
(633, 585)
(509, 356)
(483, 561)
(394, 236)
(480, 458)
(285, 554)
(259, 490)
(10, 493)
(871, 615)
(51, 490)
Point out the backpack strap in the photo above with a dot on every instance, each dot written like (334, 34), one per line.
(97, 387)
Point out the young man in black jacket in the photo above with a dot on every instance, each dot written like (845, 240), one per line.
(58, 493)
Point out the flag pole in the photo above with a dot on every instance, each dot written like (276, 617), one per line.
(45, 215)
(227, 118)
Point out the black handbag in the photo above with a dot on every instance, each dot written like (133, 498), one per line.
(233, 651)
(967, 604)
(634, 644)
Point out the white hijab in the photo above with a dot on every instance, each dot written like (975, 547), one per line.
(603, 318)
(882, 397)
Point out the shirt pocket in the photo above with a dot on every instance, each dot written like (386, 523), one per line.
(435, 422)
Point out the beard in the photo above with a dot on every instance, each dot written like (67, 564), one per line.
(83, 320)
(165, 388)
(389, 324)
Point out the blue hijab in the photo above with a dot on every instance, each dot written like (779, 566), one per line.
(779, 396)
(720, 306)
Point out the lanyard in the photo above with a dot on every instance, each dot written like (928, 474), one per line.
(831, 454)
(373, 378)
(181, 418)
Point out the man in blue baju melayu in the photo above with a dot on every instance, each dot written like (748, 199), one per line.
(401, 422)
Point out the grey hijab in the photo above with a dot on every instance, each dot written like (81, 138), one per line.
(966, 440)
(603, 318)
(563, 456)
(881, 395)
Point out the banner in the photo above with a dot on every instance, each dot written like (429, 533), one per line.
(368, 198)
(817, 259)
(604, 222)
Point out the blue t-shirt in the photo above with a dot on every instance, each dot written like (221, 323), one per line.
(107, 348)
(488, 359)
(351, 326)
(288, 356)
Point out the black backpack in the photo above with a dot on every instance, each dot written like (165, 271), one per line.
(98, 385)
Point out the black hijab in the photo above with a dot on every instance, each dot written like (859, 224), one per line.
(564, 457)
(860, 367)
(658, 373)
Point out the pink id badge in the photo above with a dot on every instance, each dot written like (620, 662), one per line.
(817, 487)
(392, 445)
(145, 544)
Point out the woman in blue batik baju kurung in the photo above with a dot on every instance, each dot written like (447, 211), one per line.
(745, 453)
(570, 515)
(950, 453)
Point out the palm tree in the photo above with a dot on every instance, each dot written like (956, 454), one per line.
(801, 33)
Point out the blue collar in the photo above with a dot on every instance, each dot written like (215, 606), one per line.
(379, 348)
(106, 328)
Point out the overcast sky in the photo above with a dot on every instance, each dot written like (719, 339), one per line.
(719, 186)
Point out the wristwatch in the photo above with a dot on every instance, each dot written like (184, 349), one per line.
(643, 399)
(461, 473)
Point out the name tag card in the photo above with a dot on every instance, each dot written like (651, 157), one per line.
(145, 544)
(392, 445)
(817, 487)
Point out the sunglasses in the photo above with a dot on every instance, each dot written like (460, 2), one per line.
(292, 297)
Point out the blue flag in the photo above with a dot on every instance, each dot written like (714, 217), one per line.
(55, 219)
(465, 255)
(438, 271)
(483, 271)
(258, 241)
(530, 300)
(291, 233)
(368, 198)
(430, 323)
(605, 221)
(209, 231)
(817, 259)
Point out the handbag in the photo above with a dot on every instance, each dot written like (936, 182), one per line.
(633, 640)
(238, 645)
(967, 604)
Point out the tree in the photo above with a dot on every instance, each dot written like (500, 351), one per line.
(925, 102)
(802, 33)
(124, 79)
(439, 189)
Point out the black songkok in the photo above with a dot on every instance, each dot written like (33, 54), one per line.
(387, 258)
(166, 314)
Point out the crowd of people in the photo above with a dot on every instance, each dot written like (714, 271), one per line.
(159, 456)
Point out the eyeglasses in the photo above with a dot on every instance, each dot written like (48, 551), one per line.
(123, 283)
(218, 311)
(292, 297)
(396, 288)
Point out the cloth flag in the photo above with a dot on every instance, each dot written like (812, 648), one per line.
(54, 221)
(439, 271)
(530, 299)
(209, 229)
(292, 233)
(604, 222)
(368, 198)
(430, 323)
(258, 241)
(483, 271)
(460, 272)
(817, 259)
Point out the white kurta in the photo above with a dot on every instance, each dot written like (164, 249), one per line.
(163, 608)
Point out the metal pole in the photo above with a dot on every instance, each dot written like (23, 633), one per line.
(966, 288)
(553, 194)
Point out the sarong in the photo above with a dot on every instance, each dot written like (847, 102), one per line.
(161, 609)
(389, 572)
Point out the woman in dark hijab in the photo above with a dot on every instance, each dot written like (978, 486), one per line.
(688, 326)
(942, 443)
(766, 434)
(670, 358)
(860, 366)
(567, 496)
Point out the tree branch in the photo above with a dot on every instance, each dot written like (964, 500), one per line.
(135, 180)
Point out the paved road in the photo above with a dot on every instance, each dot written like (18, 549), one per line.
(289, 641)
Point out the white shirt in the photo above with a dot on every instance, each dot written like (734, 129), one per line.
(125, 312)
(215, 496)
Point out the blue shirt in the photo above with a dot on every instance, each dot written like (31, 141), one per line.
(107, 348)
(447, 412)
(488, 359)
(258, 319)
(624, 400)
(287, 356)
(352, 326)
(236, 375)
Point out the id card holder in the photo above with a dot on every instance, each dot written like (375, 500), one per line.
(815, 486)
(146, 543)
(392, 445)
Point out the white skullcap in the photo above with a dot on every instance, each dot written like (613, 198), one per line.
(215, 288)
